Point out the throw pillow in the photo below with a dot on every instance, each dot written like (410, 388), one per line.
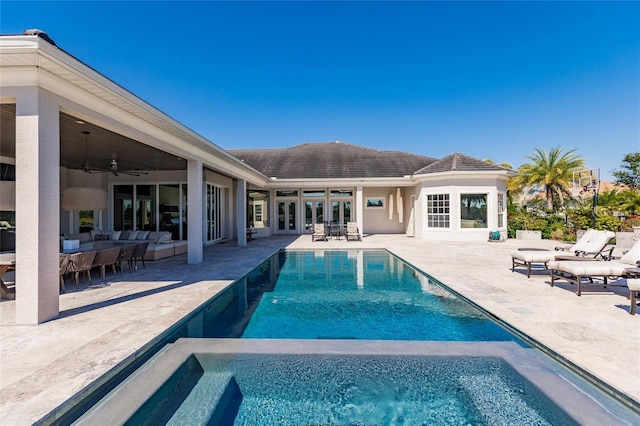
(142, 235)
(115, 235)
(132, 235)
(164, 238)
(124, 235)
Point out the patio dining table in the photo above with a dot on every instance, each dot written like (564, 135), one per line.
(99, 245)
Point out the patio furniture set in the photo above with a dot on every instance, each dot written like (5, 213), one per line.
(588, 261)
(327, 231)
(100, 254)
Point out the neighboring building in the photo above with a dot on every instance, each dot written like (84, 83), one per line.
(64, 127)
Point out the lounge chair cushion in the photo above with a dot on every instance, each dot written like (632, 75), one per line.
(589, 267)
(534, 256)
(632, 257)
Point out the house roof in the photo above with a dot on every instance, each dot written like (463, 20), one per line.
(335, 160)
(332, 160)
(458, 163)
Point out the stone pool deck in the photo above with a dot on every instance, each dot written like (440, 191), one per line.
(43, 366)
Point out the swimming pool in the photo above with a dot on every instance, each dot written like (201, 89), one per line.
(426, 328)
(359, 294)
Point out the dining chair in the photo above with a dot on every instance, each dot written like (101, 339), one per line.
(106, 257)
(138, 254)
(81, 262)
(125, 256)
(64, 266)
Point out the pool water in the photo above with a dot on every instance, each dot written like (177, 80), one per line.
(349, 295)
(363, 339)
(354, 390)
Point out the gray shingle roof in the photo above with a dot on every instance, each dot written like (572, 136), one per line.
(331, 160)
(458, 162)
(335, 160)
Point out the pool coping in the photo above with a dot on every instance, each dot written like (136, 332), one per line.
(563, 389)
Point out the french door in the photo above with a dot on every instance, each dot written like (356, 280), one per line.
(313, 213)
(287, 218)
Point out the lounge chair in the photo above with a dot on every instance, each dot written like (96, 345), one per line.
(319, 232)
(593, 244)
(579, 272)
(352, 232)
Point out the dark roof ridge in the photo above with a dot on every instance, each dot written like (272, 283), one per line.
(459, 162)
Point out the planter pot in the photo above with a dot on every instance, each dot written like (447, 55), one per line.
(528, 235)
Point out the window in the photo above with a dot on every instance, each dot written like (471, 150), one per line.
(438, 211)
(374, 203)
(500, 210)
(473, 210)
(258, 210)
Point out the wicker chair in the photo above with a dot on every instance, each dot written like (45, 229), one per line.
(125, 256)
(106, 257)
(138, 254)
(81, 262)
(64, 266)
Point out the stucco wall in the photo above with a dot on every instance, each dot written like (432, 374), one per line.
(455, 187)
(376, 220)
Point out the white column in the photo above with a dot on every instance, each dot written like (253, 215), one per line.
(241, 211)
(360, 209)
(37, 206)
(194, 211)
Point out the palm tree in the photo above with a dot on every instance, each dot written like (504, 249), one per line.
(629, 202)
(552, 173)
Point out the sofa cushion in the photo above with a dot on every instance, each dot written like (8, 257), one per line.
(115, 235)
(142, 235)
(132, 235)
(165, 238)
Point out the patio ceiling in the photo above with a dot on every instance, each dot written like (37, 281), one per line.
(102, 146)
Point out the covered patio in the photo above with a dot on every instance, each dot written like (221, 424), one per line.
(64, 126)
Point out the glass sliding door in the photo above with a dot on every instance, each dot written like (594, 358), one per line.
(214, 213)
(156, 207)
(123, 207)
(145, 207)
(169, 199)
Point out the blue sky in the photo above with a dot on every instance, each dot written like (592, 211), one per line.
(487, 79)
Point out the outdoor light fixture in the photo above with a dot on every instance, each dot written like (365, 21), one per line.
(83, 197)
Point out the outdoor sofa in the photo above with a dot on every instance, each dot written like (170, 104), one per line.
(160, 243)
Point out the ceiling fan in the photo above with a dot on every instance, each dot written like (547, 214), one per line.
(112, 167)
